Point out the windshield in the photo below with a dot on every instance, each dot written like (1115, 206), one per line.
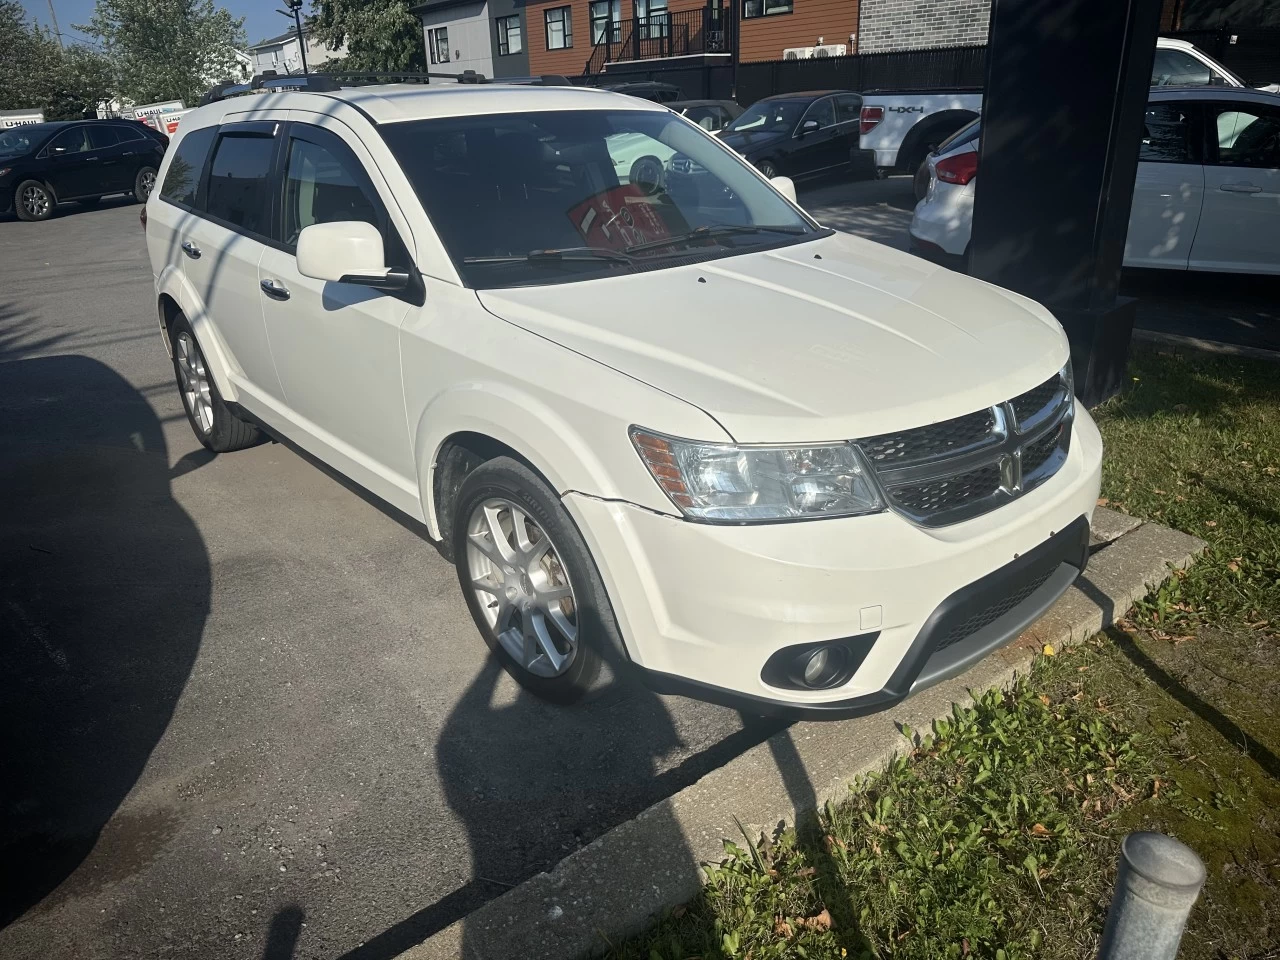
(16, 141)
(550, 197)
(769, 116)
(966, 134)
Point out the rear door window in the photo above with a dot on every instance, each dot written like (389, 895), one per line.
(182, 180)
(1248, 135)
(101, 137)
(238, 192)
(848, 108)
(128, 132)
(1167, 134)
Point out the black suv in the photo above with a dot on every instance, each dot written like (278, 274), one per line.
(44, 164)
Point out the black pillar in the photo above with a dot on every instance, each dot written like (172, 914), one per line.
(1062, 121)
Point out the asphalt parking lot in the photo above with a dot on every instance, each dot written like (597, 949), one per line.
(245, 711)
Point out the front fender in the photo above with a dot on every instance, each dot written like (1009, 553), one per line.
(521, 421)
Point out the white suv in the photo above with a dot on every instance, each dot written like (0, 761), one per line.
(695, 435)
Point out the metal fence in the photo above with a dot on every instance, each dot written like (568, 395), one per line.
(1254, 54)
(942, 67)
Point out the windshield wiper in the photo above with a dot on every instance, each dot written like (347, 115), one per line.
(715, 230)
(560, 255)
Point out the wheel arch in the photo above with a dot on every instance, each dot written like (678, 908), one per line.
(939, 125)
(469, 424)
(174, 296)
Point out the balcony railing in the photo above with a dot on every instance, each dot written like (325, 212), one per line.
(658, 35)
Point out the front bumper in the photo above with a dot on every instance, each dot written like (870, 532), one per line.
(703, 607)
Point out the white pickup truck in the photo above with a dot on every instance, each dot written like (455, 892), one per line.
(902, 126)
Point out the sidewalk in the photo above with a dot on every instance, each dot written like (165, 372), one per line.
(617, 884)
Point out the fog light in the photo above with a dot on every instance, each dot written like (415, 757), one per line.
(816, 667)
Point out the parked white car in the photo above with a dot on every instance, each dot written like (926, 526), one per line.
(1207, 194)
(758, 461)
(901, 127)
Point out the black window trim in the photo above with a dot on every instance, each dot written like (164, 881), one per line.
(566, 22)
(263, 129)
(1209, 124)
(312, 133)
(498, 24)
(764, 12)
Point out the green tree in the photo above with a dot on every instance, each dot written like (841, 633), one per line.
(35, 72)
(166, 49)
(378, 34)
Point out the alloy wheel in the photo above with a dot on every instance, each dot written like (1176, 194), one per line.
(523, 587)
(148, 182)
(35, 200)
(194, 377)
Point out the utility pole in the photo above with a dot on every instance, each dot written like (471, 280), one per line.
(295, 11)
(57, 31)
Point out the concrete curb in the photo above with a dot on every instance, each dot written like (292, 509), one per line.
(619, 883)
(1180, 343)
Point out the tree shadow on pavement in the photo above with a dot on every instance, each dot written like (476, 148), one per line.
(104, 592)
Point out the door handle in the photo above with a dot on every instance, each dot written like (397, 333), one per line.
(275, 289)
(1240, 188)
(191, 250)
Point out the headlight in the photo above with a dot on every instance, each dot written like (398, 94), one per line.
(5, 171)
(720, 483)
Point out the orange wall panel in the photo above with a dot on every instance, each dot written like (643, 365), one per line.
(764, 38)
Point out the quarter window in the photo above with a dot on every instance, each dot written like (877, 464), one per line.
(183, 176)
(1166, 135)
(765, 8)
(1248, 137)
(438, 44)
(559, 28)
(128, 132)
(238, 180)
(510, 39)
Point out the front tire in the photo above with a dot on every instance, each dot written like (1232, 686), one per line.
(767, 169)
(144, 183)
(213, 423)
(33, 201)
(530, 582)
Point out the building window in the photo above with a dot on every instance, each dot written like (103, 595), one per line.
(606, 21)
(655, 22)
(559, 28)
(765, 8)
(510, 40)
(438, 44)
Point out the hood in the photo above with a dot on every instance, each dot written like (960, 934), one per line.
(827, 340)
(747, 141)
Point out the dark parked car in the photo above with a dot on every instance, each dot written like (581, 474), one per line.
(799, 135)
(711, 115)
(44, 164)
(646, 90)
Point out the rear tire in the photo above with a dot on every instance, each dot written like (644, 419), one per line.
(767, 169)
(144, 183)
(212, 421)
(33, 201)
(526, 597)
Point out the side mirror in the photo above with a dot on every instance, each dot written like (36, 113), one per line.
(785, 186)
(807, 127)
(349, 251)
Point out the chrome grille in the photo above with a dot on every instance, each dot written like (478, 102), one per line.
(935, 440)
(967, 466)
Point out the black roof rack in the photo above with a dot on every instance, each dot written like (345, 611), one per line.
(269, 81)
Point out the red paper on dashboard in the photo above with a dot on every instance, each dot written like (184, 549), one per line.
(618, 218)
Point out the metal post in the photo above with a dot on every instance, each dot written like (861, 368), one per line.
(1158, 882)
(296, 6)
(57, 31)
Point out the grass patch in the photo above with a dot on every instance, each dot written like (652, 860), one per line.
(995, 834)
